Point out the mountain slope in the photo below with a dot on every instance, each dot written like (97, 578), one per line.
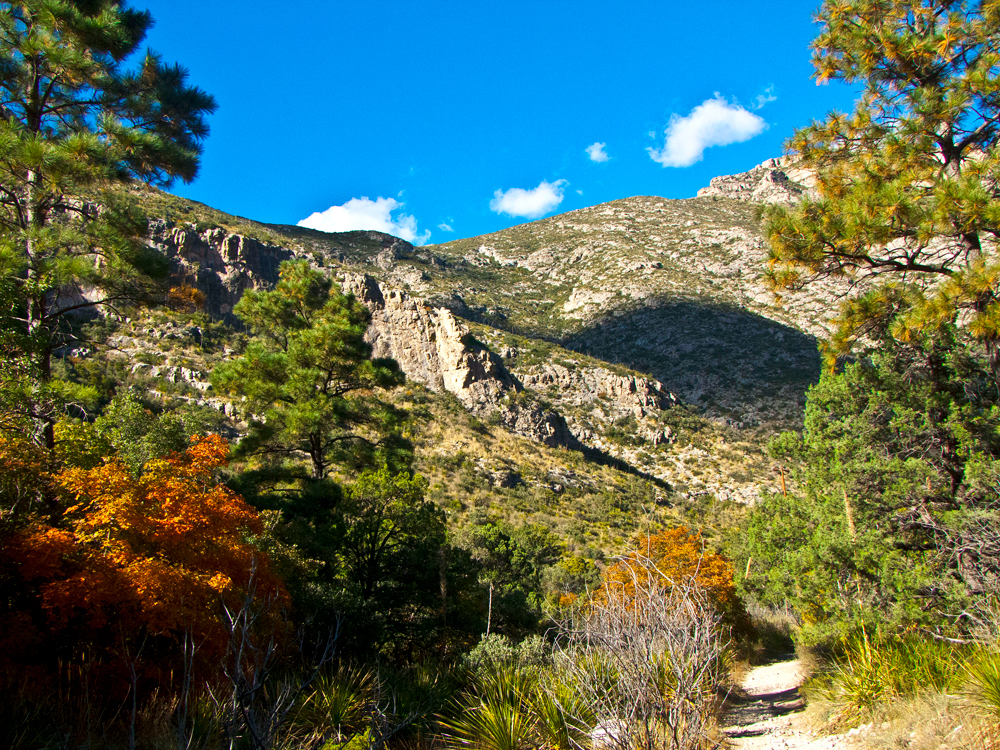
(636, 332)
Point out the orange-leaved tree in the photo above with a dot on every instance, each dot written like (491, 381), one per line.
(676, 557)
(143, 560)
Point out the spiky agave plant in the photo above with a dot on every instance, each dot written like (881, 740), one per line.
(338, 702)
(496, 714)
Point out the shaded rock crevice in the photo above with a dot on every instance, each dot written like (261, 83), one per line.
(222, 265)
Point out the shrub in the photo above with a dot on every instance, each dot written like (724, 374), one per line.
(679, 557)
(873, 670)
(645, 664)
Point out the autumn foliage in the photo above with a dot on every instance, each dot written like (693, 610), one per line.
(154, 557)
(23, 479)
(185, 298)
(678, 557)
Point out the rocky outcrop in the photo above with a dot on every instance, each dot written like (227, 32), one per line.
(533, 421)
(618, 395)
(774, 181)
(221, 264)
(433, 348)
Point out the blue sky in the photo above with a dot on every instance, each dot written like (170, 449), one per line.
(439, 120)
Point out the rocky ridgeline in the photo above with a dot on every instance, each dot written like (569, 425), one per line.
(774, 181)
(642, 285)
(616, 395)
(435, 349)
(432, 347)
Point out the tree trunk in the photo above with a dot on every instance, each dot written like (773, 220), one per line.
(316, 455)
(36, 305)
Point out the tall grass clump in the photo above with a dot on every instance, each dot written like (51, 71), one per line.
(515, 699)
(983, 685)
(872, 670)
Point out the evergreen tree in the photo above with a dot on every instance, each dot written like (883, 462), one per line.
(892, 517)
(908, 195)
(308, 377)
(78, 122)
(387, 562)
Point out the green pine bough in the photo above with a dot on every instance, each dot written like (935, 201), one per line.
(80, 122)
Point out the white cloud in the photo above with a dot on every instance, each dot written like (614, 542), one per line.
(444, 227)
(530, 204)
(364, 213)
(766, 97)
(596, 152)
(714, 122)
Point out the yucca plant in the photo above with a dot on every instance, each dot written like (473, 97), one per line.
(876, 669)
(413, 696)
(496, 714)
(493, 725)
(984, 682)
(564, 717)
(338, 702)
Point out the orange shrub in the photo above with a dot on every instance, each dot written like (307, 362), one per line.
(185, 298)
(680, 557)
(155, 556)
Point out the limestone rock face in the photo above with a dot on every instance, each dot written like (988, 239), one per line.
(618, 395)
(220, 264)
(774, 181)
(433, 348)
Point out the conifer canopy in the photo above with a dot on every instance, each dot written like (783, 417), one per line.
(908, 203)
(78, 122)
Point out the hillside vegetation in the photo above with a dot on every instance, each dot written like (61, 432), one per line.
(551, 488)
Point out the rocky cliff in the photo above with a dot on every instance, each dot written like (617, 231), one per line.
(221, 264)
(774, 181)
(585, 330)
(436, 350)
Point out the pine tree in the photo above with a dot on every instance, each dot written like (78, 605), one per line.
(308, 378)
(76, 125)
(908, 199)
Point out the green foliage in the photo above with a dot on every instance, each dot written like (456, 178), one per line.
(388, 557)
(907, 181)
(78, 123)
(888, 485)
(138, 435)
(369, 561)
(512, 563)
(571, 578)
(337, 703)
(511, 706)
(308, 377)
(495, 651)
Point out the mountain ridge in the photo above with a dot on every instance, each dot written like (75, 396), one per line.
(584, 330)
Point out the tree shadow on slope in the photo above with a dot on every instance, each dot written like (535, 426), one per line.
(731, 362)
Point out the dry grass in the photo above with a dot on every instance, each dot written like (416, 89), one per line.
(928, 721)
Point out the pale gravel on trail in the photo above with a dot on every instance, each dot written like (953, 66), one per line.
(768, 713)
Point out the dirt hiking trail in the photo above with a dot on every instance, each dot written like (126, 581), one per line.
(767, 713)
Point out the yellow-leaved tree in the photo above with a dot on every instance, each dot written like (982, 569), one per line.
(144, 561)
(676, 557)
